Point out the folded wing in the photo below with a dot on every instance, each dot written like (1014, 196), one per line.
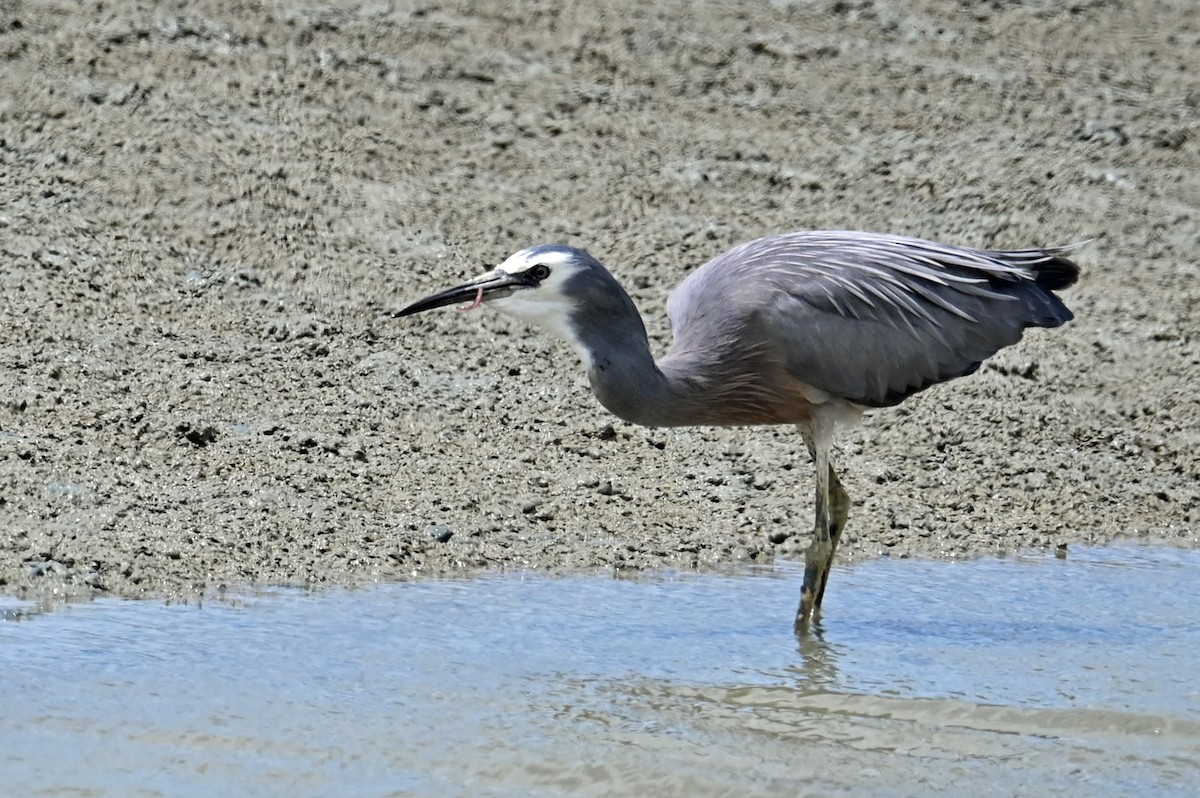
(872, 318)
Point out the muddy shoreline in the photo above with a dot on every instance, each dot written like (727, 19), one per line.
(207, 218)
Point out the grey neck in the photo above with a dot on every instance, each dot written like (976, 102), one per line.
(630, 384)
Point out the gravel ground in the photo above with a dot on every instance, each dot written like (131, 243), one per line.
(208, 211)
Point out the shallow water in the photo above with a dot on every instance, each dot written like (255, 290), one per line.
(1023, 676)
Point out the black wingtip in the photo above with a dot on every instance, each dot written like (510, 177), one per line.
(1055, 271)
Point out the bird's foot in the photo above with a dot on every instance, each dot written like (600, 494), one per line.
(818, 559)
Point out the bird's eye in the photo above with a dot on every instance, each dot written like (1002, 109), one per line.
(540, 272)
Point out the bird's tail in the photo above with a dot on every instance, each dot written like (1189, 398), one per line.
(1050, 267)
(1051, 271)
(1054, 271)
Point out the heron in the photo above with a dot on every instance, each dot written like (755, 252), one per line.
(810, 328)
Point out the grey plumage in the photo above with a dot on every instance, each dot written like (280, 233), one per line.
(808, 328)
(873, 319)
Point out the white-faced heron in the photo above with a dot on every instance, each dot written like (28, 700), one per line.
(805, 328)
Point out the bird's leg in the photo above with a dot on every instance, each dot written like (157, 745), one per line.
(839, 507)
(832, 509)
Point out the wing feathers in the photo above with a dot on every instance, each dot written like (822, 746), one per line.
(871, 318)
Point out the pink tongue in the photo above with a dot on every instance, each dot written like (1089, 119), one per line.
(478, 303)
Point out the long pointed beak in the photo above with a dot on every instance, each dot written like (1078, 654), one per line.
(493, 285)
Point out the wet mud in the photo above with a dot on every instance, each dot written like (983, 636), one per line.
(208, 212)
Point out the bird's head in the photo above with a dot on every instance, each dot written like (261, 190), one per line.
(561, 288)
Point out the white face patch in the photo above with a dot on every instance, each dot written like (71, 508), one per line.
(544, 305)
